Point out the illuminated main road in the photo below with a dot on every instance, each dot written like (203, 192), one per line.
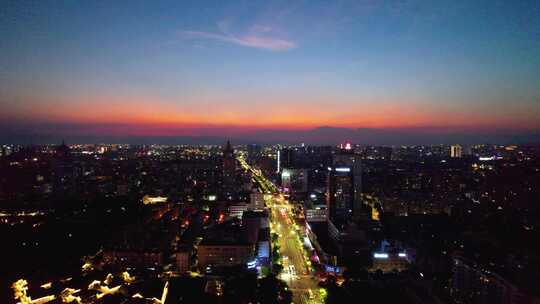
(296, 265)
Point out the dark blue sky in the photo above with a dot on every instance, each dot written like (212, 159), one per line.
(202, 67)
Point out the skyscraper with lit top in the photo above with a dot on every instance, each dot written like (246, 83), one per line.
(344, 184)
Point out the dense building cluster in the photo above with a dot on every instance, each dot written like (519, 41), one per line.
(424, 224)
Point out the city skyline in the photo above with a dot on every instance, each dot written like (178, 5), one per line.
(248, 68)
(272, 152)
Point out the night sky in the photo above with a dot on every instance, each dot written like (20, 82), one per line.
(241, 68)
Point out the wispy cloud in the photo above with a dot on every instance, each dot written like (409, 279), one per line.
(258, 36)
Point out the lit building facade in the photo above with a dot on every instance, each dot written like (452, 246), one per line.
(237, 210)
(340, 193)
(347, 158)
(389, 262)
(285, 158)
(456, 151)
(256, 201)
(316, 214)
(294, 180)
(344, 185)
(214, 254)
(183, 261)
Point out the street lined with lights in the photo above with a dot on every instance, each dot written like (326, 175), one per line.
(295, 260)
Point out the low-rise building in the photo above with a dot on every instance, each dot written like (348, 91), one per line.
(236, 210)
(225, 245)
(471, 283)
(223, 253)
(183, 260)
(136, 258)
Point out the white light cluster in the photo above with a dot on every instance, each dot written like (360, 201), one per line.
(380, 255)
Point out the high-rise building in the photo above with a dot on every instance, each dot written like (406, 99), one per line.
(344, 185)
(455, 151)
(340, 193)
(254, 151)
(285, 158)
(64, 172)
(229, 164)
(294, 180)
(63, 151)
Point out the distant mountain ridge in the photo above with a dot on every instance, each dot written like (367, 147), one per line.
(324, 135)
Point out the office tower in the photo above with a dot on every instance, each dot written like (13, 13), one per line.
(294, 180)
(63, 151)
(340, 193)
(254, 151)
(455, 151)
(229, 164)
(285, 159)
(63, 169)
(346, 163)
